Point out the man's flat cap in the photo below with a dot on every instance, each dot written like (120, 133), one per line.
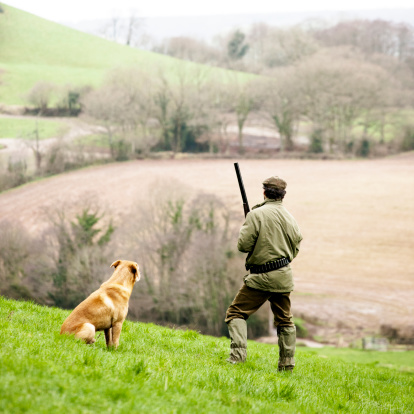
(275, 182)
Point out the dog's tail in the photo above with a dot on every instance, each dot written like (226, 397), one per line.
(86, 332)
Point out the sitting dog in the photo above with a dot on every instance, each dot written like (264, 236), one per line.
(106, 308)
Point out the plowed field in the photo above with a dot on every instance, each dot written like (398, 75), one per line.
(356, 265)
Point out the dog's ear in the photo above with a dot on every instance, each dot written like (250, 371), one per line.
(115, 264)
(134, 270)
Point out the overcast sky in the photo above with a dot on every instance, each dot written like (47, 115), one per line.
(76, 10)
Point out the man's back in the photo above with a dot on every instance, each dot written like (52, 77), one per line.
(270, 232)
(271, 237)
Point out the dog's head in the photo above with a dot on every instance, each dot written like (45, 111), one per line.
(127, 268)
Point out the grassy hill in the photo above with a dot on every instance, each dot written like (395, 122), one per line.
(34, 49)
(160, 370)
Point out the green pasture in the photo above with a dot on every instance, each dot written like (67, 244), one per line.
(160, 370)
(33, 49)
(94, 141)
(26, 127)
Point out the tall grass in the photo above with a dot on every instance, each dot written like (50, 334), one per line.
(160, 370)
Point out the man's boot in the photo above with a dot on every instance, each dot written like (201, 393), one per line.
(287, 344)
(238, 336)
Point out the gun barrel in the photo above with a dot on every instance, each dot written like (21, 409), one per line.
(242, 190)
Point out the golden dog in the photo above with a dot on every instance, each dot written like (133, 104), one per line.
(106, 308)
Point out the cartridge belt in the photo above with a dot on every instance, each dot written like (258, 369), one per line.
(269, 266)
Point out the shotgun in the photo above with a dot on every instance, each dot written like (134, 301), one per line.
(242, 190)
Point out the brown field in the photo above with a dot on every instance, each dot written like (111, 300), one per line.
(356, 266)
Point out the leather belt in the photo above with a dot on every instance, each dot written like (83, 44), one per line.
(269, 266)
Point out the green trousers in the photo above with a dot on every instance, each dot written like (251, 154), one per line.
(248, 301)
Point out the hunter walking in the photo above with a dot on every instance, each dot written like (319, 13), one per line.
(271, 237)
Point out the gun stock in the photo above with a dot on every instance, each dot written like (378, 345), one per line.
(246, 207)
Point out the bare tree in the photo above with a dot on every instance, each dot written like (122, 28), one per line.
(274, 47)
(179, 103)
(133, 24)
(124, 105)
(282, 104)
(337, 90)
(188, 48)
(184, 244)
(15, 250)
(242, 100)
(78, 253)
(372, 37)
(114, 25)
(213, 114)
(38, 151)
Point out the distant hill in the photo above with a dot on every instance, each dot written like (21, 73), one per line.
(34, 49)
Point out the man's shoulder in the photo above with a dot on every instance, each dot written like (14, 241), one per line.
(266, 206)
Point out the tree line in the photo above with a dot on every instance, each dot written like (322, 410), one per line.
(262, 46)
(338, 98)
(342, 88)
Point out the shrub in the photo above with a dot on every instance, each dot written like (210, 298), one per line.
(316, 144)
(40, 95)
(80, 256)
(407, 143)
(121, 150)
(62, 156)
(55, 158)
(69, 99)
(364, 148)
(15, 250)
(15, 175)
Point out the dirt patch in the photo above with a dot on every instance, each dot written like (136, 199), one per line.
(355, 270)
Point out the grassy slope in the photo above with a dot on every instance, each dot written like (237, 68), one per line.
(402, 361)
(24, 128)
(33, 49)
(160, 370)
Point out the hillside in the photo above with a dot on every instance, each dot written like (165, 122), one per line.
(34, 49)
(159, 370)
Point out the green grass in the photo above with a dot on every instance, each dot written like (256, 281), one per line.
(25, 128)
(33, 49)
(396, 120)
(94, 140)
(160, 370)
(401, 361)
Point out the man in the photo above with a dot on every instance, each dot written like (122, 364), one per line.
(271, 237)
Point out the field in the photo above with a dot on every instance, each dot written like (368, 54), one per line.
(64, 56)
(25, 128)
(355, 270)
(160, 370)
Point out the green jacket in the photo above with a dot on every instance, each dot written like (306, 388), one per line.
(269, 232)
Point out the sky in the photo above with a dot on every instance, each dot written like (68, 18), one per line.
(77, 10)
